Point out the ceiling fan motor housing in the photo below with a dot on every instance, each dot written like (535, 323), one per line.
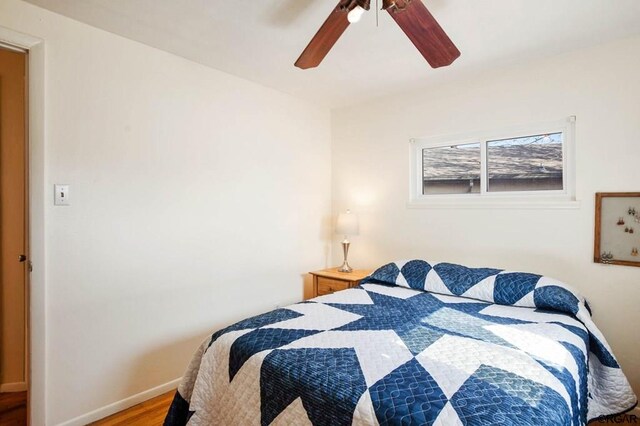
(352, 4)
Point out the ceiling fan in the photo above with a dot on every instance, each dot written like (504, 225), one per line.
(411, 15)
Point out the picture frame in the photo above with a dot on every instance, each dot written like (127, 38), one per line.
(617, 228)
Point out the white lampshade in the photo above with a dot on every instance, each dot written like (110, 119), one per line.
(347, 224)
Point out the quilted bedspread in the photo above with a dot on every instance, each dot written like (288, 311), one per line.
(415, 343)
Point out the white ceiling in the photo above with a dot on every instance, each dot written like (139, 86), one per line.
(260, 39)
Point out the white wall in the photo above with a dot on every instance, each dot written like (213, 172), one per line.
(197, 199)
(600, 86)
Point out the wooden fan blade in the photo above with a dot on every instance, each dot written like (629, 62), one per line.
(425, 33)
(325, 38)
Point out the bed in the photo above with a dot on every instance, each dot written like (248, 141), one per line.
(415, 343)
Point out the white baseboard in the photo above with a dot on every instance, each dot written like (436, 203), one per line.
(123, 404)
(13, 387)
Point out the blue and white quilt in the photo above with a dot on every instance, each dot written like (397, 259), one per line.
(415, 343)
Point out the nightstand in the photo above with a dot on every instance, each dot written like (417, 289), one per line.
(328, 281)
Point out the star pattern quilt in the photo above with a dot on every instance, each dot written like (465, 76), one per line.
(416, 343)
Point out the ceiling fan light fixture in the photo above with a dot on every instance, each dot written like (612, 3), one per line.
(355, 14)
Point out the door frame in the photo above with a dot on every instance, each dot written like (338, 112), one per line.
(36, 203)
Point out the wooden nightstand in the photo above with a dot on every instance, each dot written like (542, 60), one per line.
(328, 281)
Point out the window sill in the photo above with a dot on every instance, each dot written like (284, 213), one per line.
(494, 203)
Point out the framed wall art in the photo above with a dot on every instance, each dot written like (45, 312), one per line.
(617, 233)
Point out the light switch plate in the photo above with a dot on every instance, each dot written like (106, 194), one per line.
(61, 195)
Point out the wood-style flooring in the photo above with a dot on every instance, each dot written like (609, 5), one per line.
(13, 409)
(148, 413)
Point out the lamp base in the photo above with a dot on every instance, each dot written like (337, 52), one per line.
(345, 268)
(345, 250)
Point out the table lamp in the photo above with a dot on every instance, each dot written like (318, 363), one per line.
(346, 225)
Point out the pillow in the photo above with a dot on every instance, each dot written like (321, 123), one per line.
(486, 284)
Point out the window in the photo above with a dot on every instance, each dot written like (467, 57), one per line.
(529, 164)
(451, 169)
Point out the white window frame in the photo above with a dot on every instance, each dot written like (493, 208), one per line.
(565, 198)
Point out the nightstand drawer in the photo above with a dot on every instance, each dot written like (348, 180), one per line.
(328, 286)
(330, 280)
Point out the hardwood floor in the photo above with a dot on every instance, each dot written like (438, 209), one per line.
(13, 409)
(148, 413)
